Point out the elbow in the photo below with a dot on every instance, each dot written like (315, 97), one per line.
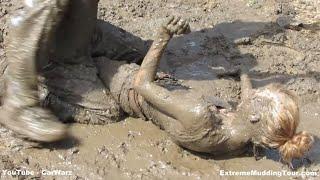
(140, 83)
(140, 86)
(139, 80)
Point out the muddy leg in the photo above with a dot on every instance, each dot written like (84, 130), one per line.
(109, 41)
(74, 33)
(76, 94)
(3, 69)
(29, 38)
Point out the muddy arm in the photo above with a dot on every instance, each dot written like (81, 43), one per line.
(188, 120)
(246, 86)
(144, 85)
(152, 59)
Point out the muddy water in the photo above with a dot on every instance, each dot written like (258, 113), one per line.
(224, 34)
(129, 149)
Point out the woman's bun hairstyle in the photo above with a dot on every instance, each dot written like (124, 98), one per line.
(281, 125)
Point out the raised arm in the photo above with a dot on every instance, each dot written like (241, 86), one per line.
(151, 61)
(246, 85)
(144, 85)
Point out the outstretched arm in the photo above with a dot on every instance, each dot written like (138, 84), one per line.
(246, 85)
(187, 119)
(151, 61)
(144, 85)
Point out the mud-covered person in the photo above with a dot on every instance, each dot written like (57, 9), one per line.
(267, 117)
(49, 54)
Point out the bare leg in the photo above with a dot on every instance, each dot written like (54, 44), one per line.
(28, 45)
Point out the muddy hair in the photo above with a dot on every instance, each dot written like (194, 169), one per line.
(281, 123)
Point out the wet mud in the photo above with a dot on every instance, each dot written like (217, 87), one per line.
(277, 40)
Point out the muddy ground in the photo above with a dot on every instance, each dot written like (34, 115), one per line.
(278, 39)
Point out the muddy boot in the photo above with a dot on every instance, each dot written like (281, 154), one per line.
(30, 36)
(76, 93)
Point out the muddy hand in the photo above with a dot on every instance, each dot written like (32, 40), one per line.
(176, 26)
(31, 32)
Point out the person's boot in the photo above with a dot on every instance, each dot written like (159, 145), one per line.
(76, 93)
(32, 31)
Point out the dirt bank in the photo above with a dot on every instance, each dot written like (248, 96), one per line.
(278, 40)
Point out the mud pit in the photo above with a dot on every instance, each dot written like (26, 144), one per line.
(225, 33)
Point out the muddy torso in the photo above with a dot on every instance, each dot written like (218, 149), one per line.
(219, 134)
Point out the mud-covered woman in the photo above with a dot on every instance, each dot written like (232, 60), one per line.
(266, 117)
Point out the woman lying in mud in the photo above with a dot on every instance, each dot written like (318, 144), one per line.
(266, 117)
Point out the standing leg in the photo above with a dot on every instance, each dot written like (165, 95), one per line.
(74, 33)
(76, 94)
(32, 31)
